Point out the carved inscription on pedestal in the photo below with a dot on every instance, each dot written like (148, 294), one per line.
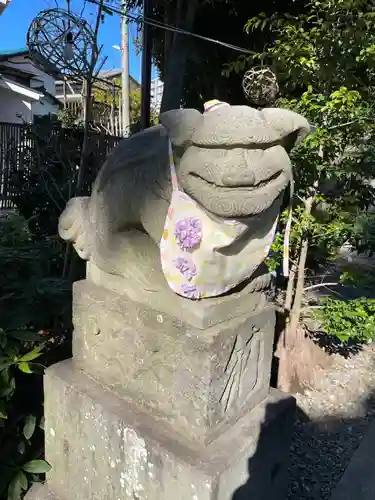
(242, 370)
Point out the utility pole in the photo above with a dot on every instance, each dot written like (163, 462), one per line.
(125, 90)
(146, 66)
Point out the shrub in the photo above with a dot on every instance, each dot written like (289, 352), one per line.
(34, 305)
(348, 320)
(44, 178)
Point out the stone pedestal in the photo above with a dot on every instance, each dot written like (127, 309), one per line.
(154, 408)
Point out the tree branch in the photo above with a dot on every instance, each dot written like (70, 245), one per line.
(319, 285)
(88, 102)
(310, 307)
(340, 125)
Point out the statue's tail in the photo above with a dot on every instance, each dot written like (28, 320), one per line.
(73, 225)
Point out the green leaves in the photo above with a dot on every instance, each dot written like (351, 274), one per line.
(15, 487)
(7, 383)
(24, 335)
(29, 293)
(3, 410)
(23, 362)
(35, 353)
(29, 427)
(18, 484)
(258, 22)
(328, 46)
(348, 320)
(37, 467)
(24, 367)
(22, 480)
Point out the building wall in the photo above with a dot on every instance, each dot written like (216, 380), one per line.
(157, 88)
(77, 87)
(12, 105)
(14, 108)
(44, 107)
(133, 85)
(47, 81)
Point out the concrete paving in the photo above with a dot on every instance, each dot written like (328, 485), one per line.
(358, 481)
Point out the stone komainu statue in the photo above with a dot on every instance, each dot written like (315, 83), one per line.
(191, 203)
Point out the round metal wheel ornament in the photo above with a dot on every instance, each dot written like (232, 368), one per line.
(63, 39)
(260, 86)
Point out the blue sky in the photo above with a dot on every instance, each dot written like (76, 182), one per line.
(17, 17)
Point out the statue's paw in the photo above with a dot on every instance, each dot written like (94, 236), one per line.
(72, 225)
(81, 247)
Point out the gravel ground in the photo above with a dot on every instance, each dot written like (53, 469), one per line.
(331, 421)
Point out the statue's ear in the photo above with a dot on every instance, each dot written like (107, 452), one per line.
(181, 125)
(293, 128)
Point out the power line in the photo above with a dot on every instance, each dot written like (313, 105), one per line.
(174, 29)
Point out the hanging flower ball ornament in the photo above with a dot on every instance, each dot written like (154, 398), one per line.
(260, 86)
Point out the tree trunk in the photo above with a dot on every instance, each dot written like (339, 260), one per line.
(85, 143)
(175, 69)
(295, 312)
(287, 307)
(168, 35)
(289, 350)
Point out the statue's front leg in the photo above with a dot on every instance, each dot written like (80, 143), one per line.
(133, 257)
(73, 225)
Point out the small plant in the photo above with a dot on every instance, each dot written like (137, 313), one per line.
(32, 301)
(348, 320)
(21, 424)
(68, 119)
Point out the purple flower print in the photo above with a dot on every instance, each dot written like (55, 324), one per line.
(188, 232)
(190, 291)
(186, 267)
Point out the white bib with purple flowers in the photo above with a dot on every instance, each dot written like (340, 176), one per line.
(205, 256)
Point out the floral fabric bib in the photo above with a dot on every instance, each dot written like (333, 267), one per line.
(203, 256)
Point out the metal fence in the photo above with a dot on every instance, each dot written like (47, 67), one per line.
(12, 141)
(16, 143)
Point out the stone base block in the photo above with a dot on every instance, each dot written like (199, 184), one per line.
(195, 380)
(201, 314)
(102, 448)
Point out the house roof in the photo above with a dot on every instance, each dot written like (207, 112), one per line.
(32, 94)
(110, 73)
(3, 5)
(14, 71)
(6, 55)
(107, 74)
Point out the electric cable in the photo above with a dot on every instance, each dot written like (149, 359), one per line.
(168, 27)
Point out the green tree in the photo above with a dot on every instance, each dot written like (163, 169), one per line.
(107, 93)
(323, 62)
(223, 21)
(111, 95)
(191, 67)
